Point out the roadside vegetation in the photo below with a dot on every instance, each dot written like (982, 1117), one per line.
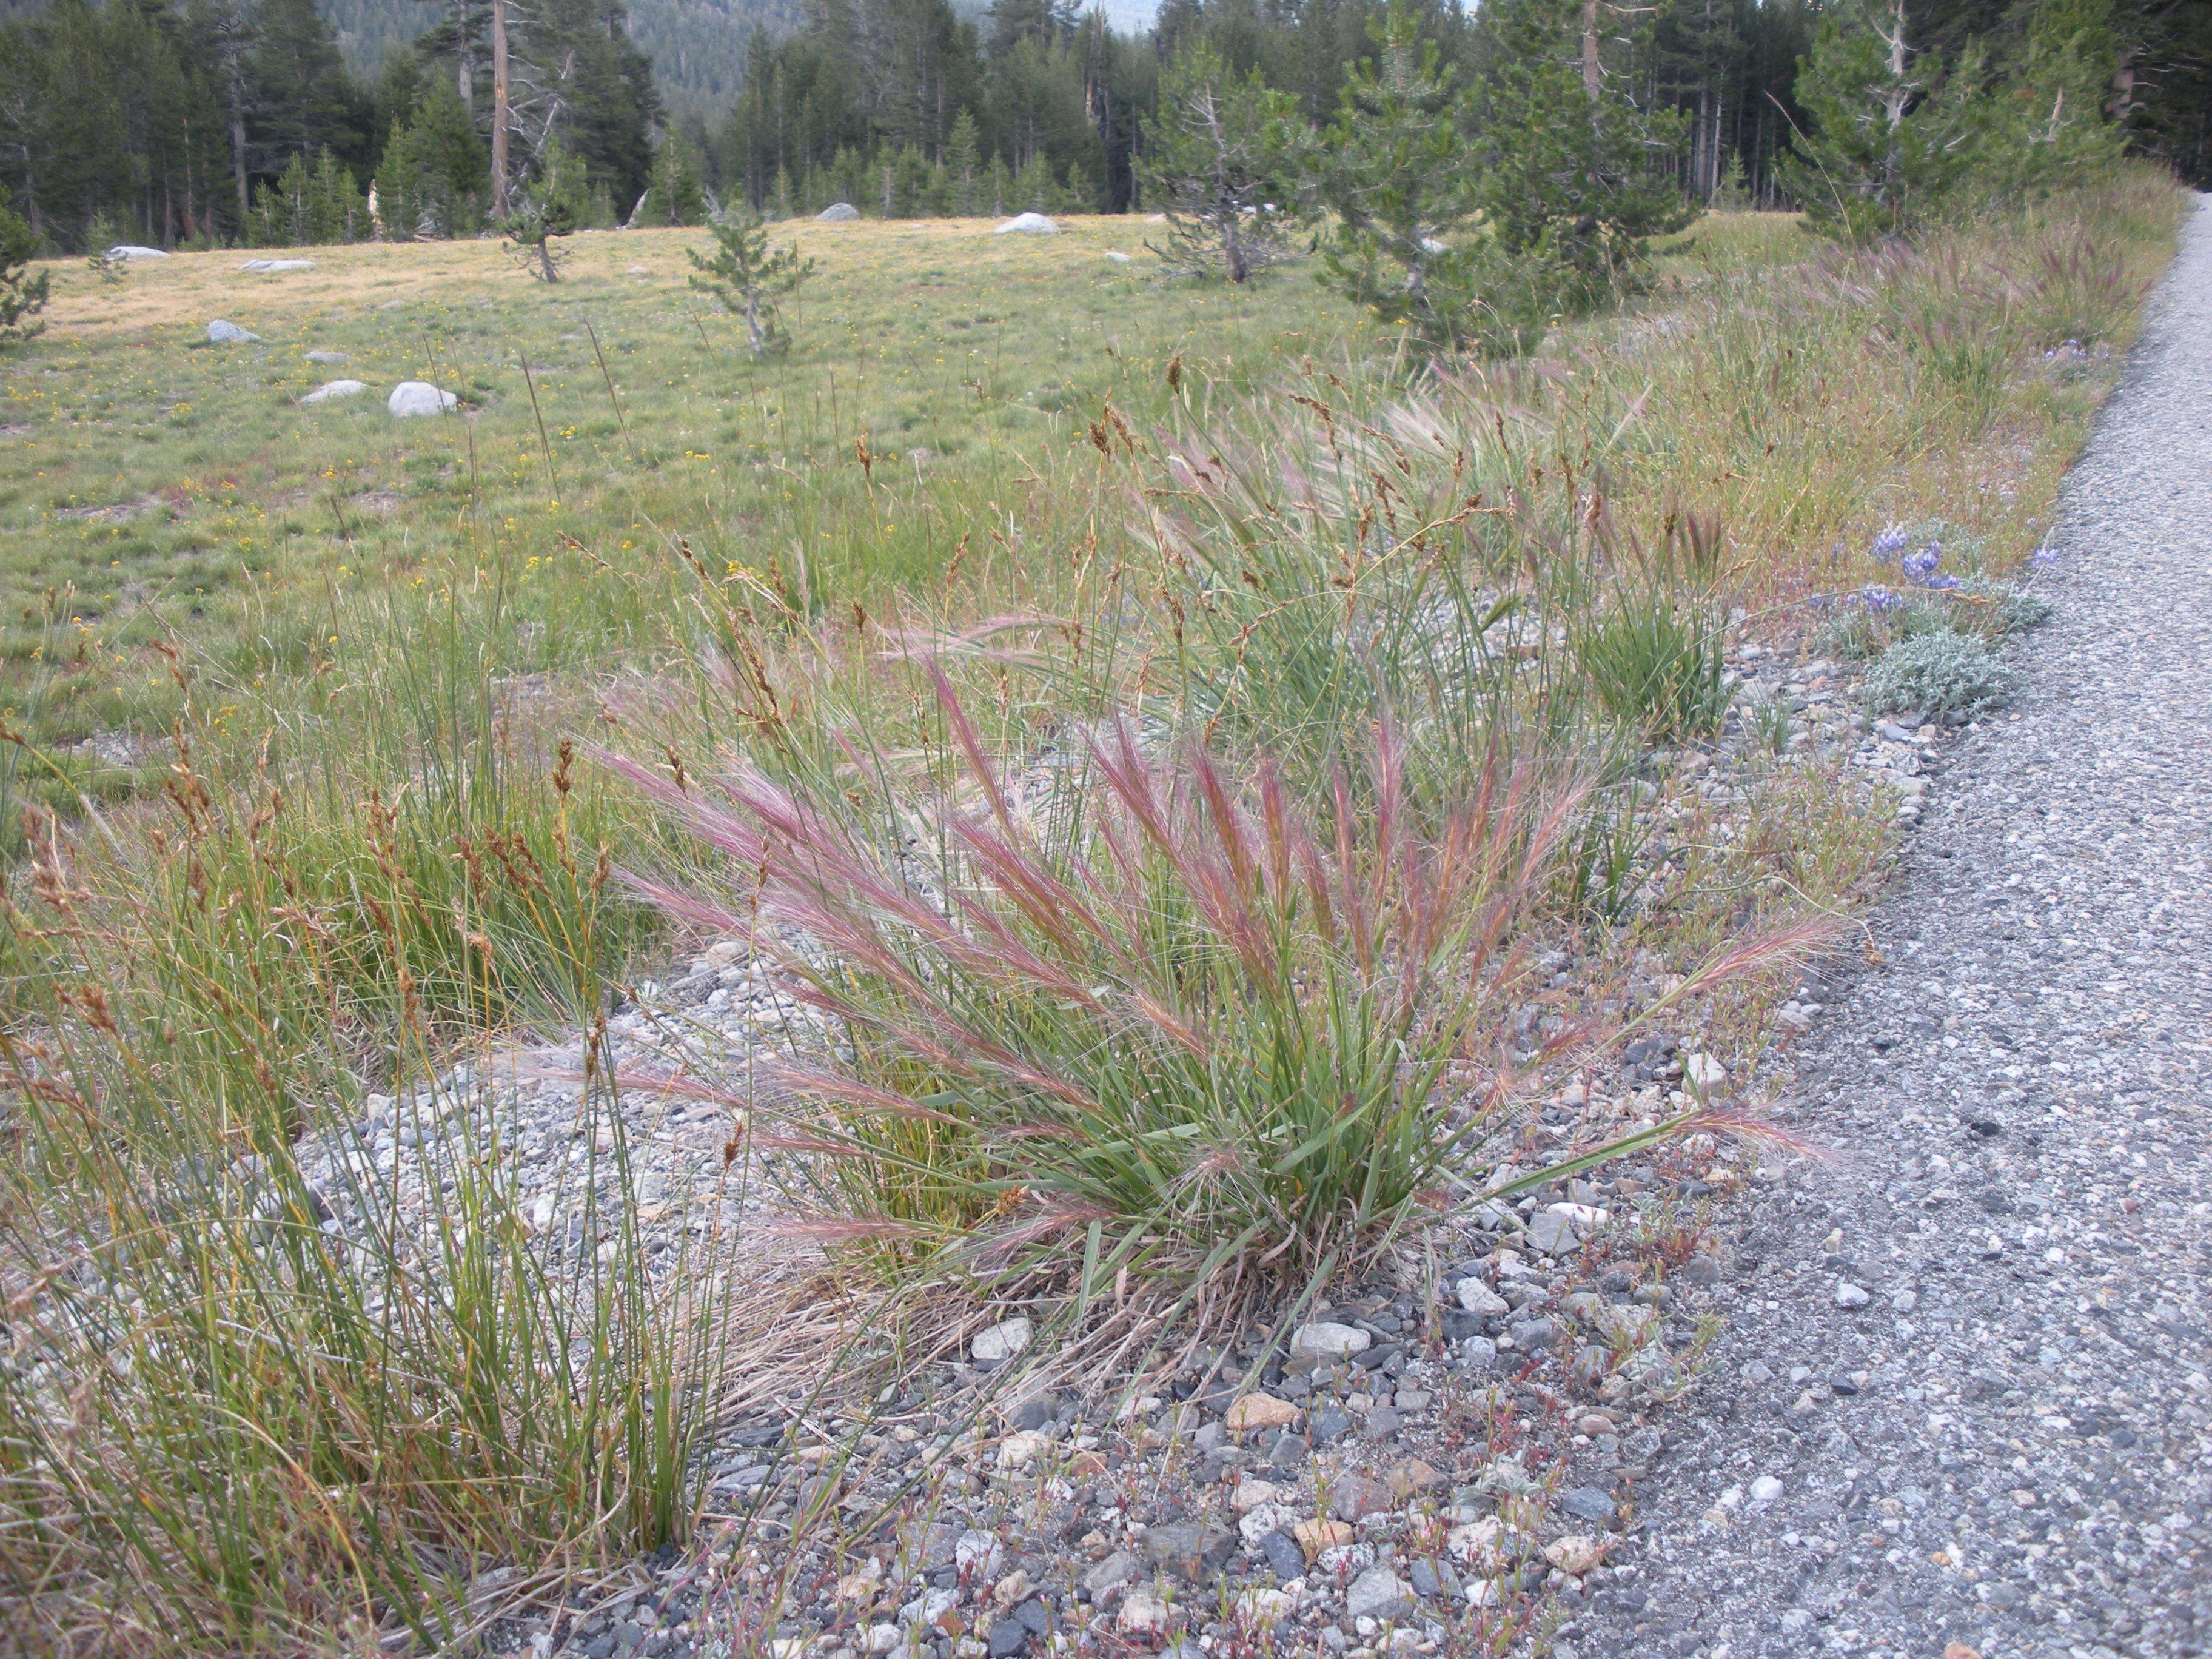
(1206, 756)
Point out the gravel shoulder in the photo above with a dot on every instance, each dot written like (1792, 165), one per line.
(1962, 1400)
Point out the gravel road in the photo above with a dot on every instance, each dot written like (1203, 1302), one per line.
(1962, 1402)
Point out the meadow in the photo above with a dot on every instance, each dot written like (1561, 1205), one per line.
(343, 747)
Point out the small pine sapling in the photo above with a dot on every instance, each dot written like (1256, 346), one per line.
(1222, 163)
(552, 204)
(22, 296)
(746, 277)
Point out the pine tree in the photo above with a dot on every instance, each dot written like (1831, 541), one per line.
(1222, 161)
(1884, 148)
(2046, 123)
(964, 164)
(554, 204)
(674, 197)
(1568, 163)
(746, 277)
(1398, 172)
(22, 296)
(436, 177)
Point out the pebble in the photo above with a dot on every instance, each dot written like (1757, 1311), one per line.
(1260, 1411)
(1378, 1593)
(1849, 1295)
(1324, 1340)
(220, 332)
(1002, 1342)
(1478, 1298)
(1589, 1504)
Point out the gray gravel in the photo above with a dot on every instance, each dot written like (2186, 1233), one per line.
(1963, 1394)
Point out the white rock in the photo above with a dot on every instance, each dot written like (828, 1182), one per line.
(1002, 1342)
(1030, 224)
(1482, 1592)
(837, 213)
(1264, 1606)
(1251, 1493)
(1704, 1072)
(1479, 1351)
(1018, 1451)
(132, 251)
(1430, 244)
(978, 1554)
(883, 1638)
(1849, 1295)
(330, 389)
(1117, 256)
(1324, 1340)
(1477, 1297)
(327, 357)
(223, 333)
(277, 265)
(1143, 1613)
(1765, 1491)
(419, 398)
(1476, 1539)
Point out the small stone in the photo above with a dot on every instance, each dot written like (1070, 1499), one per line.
(1383, 1423)
(1002, 1341)
(1189, 1549)
(979, 1554)
(1412, 1478)
(1430, 1581)
(1283, 1554)
(1036, 1618)
(1700, 1269)
(1115, 1571)
(1849, 1295)
(1574, 1553)
(1378, 1593)
(884, 1638)
(1475, 1539)
(1704, 1072)
(837, 213)
(1250, 1494)
(1264, 1608)
(1314, 1534)
(1478, 1354)
(1323, 1341)
(1478, 1298)
(327, 358)
(1008, 1637)
(1268, 1518)
(1028, 224)
(1551, 1233)
(1358, 1495)
(333, 389)
(1589, 1504)
(1117, 257)
(1765, 1491)
(1260, 1411)
(1534, 1335)
(220, 332)
(1143, 1613)
(412, 397)
(1327, 1424)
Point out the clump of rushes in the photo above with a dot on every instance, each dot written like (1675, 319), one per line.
(1160, 1034)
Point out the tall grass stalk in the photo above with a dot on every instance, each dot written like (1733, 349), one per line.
(272, 1385)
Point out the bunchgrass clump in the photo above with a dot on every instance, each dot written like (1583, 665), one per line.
(1156, 1029)
(272, 1388)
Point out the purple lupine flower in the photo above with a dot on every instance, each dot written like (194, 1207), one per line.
(1888, 544)
(2044, 554)
(1877, 598)
(1921, 565)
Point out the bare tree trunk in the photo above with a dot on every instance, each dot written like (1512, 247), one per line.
(499, 108)
(1593, 71)
(752, 323)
